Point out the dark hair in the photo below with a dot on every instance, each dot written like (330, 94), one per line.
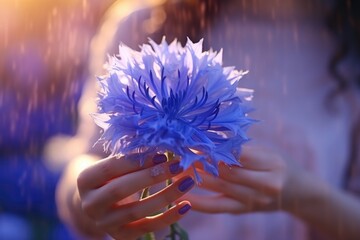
(344, 22)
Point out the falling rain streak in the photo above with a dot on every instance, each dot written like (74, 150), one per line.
(49, 49)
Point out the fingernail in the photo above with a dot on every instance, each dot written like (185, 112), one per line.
(159, 158)
(184, 209)
(175, 168)
(186, 184)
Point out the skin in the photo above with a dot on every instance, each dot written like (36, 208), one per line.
(105, 198)
(92, 198)
(265, 182)
(269, 182)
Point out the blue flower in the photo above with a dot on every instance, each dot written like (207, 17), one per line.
(166, 97)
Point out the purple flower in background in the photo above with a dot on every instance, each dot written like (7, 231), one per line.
(166, 97)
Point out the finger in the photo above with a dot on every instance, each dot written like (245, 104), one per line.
(104, 170)
(248, 196)
(146, 207)
(186, 172)
(215, 204)
(98, 201)
(152, 224)
(260, 180)
(258, 159)
(82, 222)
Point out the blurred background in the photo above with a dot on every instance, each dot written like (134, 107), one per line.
(43, 65)
(49, 49)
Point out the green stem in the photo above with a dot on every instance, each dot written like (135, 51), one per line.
(170, 157)
(150, 235)
(145, 193)
(172, 232)
(175, 229)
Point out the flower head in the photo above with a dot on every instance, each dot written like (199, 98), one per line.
(166, 97)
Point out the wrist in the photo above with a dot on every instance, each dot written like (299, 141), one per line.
(305, 194)
(330, 210)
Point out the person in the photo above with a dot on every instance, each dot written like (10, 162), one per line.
(300, 177)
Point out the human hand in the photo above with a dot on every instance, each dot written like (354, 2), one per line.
(107, 189)
(68, 201)
(265, 182)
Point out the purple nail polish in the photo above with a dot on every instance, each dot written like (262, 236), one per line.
(186, 184)
(159, 158)
(175, 168)
(184, 209)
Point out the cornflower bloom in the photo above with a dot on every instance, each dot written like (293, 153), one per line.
(166, 97)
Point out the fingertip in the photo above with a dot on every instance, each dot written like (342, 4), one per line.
(159, 158)
(184, 207)
(186, 184)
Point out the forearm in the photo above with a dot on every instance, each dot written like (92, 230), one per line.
(332, 211)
